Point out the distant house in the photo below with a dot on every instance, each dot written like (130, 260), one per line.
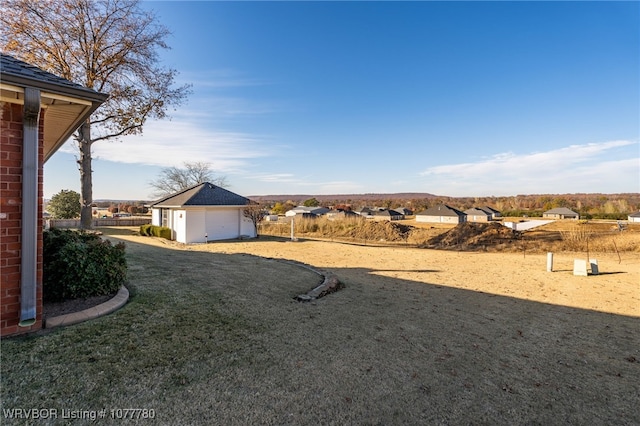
(39, 111)
(561, 213)
(441, 214)
(478, 215)
(305, 211)
(634, 217)
(494, 213)
(366, 212)
(204, 212)
(387, 215)
(404, 211)
(340, 214)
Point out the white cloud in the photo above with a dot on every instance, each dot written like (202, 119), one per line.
(294, 183)
(276, 178)
(172, 143)
(198, 130)
(593, 167)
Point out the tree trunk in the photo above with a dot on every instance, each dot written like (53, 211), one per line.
(86, 183)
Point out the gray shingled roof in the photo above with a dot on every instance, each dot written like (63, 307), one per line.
(441, 210)
(561, 210)
(489, 210)
(15, 71)
(202, 194)
(477, 211)
(387, 213)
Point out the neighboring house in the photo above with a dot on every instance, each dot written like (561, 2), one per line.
(478, 215)
(366, 212)
(441, 214)
(387, 215)
(493, 212)
(403, 211)
(204, 212)
(306, 211)
(340, 214)
(40, 111)
(561, 213)
(634, 218)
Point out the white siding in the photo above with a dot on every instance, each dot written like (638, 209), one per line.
(194, 230)
(179, 228)
(201, 224)
(155, 217)
(246, 226)
(223, 223)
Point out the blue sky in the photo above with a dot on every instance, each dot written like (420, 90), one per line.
(450, 98)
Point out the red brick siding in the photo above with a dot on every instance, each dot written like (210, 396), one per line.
(10, 224)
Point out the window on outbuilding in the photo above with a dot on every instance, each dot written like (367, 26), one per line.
(164, 214)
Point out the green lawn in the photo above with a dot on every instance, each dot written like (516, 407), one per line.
(192, 325)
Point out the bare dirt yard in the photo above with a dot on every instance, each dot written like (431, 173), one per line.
(440, 337)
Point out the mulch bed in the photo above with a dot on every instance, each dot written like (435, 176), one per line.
(54, 309)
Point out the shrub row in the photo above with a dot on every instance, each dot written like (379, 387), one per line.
(155, 231)
(80, 265)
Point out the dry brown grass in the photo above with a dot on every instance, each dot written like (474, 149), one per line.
(353, 229)
(213, 335)
(557, 236)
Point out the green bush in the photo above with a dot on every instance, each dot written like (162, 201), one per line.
(80, 265)
(144, 230)
(162, 232)
(155, 231)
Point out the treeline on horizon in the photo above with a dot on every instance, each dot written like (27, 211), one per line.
(590, 206)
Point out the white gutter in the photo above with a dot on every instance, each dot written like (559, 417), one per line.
(29, 255)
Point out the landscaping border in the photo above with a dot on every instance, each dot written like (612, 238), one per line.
(111, 305)
(330, 282)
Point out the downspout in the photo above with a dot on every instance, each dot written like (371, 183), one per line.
(29, 255)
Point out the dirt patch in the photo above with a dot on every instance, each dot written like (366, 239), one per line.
(566, 236)
(376, 231)
(470, 236)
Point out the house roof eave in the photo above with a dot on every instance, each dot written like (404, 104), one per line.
(68, 104)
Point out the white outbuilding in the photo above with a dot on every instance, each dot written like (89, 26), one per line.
(204, 212)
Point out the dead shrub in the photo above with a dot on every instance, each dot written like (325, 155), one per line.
(576, 238)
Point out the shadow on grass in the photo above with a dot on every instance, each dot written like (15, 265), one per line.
(216, 338)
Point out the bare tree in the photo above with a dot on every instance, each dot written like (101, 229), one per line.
(107, 45)
(256, 213)
(173, 179)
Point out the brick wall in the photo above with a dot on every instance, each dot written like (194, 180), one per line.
(11, 220)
